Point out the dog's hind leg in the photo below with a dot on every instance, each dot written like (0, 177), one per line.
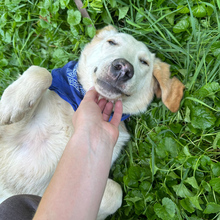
(111, 200)
(24, 94)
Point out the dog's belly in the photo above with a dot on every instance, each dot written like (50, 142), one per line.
(28, 161)
(29, 153)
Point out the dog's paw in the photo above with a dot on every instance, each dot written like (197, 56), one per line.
(14, 104)
(23, 94)
(111, 200)
(11, 111)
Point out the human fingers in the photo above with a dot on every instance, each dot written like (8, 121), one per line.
(91, 95)
(117, 114)
(102, 103)
(107, 111)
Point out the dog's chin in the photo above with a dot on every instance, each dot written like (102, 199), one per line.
(107, 90)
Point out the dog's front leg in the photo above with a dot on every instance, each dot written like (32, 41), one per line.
(111, 201)
(24, 94)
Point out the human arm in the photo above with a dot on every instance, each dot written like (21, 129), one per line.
(78, 184)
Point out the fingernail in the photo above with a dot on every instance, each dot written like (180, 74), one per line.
(93, 87)
(112, 101)
(119, 99)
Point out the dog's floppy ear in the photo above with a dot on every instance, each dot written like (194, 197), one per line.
(170, 90)
(106, 31)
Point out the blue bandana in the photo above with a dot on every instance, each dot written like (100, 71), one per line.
(67, 86)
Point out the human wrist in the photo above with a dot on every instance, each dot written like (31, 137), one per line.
(91, 139)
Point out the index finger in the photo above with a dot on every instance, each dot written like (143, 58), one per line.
(91, 95)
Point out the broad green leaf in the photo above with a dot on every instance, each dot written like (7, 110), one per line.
(47, 4)
(192, 181)
(134, 197)
(44, 24)
(183, 9)
(212, 208)
(210, 9)
(216, 168)
(3, 62)
(139, 16)
(202, 117)
(206, 186)
(181, 26)
(145, 186)
(215, 183)
(74, 30)
(3, 19)
(96, 5)
(208, 90)
(130, 182)
(17, 17)
(55, 7)
(187, 115)
(217, 138)
(135, 173)
(74, 17)
(182, 191)
(122, 12)
(87, 21)
(161, 212)
(170, 16)
(195, 202)
(106, 18)
(167, 144)
(199, 11)
(205, 162)
(187, 205)
(91, 31)
(113, 3)
(169, 205)
(186, 151)
(215, 48)
(218, 3)
(166, 211)
(64, 3)
(176, 128)
(44, 12)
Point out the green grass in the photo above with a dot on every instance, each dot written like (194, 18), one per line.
(170, 168)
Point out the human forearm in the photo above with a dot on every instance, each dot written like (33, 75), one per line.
(78, 184)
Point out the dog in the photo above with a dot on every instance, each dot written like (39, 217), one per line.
(36, 122)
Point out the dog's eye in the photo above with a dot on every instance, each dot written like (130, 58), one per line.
(144, 62)
(111, 42)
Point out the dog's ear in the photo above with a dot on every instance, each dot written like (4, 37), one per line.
(170, 90)
(106, 31)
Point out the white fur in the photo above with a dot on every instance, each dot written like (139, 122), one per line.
(36, 122)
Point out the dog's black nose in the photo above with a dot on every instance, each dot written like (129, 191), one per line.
(121, 70)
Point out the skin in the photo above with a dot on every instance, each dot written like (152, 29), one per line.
(78, 184)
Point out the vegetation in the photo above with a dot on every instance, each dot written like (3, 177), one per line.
(170, 169)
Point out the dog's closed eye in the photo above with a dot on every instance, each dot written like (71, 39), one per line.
(112, 42)
(144, 62)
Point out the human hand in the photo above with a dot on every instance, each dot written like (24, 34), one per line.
(91, 119)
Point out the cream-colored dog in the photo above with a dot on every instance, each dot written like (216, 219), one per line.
(36, 124)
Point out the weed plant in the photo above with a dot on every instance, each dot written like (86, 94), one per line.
(170, 168)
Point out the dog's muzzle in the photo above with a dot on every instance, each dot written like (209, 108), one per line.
(121, 70)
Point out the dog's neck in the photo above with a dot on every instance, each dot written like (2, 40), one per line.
(65, 83)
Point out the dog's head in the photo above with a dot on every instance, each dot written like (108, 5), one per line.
(119, 66)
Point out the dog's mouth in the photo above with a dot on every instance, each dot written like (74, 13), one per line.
(108, 88)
